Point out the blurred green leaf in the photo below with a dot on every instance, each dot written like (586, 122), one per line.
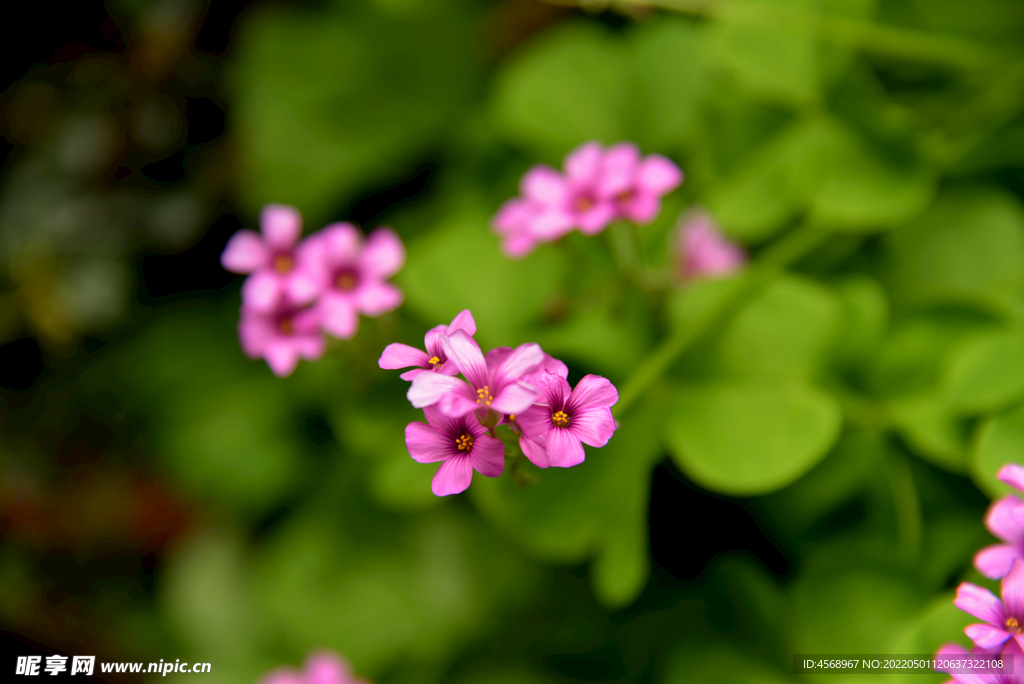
(608, 344)
(999, 440)
(720, 664)
(864, 317)
(932, 428)
(746, 439)
(987, 372)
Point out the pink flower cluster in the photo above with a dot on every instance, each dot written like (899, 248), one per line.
(1002, 628)
(522, 388)
(299, 289)
(321, 668)
(703, 251)
(597, 187)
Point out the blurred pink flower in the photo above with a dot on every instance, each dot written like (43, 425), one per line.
(461, 444)
(434, 359)
(274, 261)
(352, 274)
(637, 185)
(282, 335)
(321, 668)
(493, 383)
(1005, 519)
(557, 426)
(703, 251)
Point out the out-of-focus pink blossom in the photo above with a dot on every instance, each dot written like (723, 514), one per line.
(461, 444)
(282, 335)
(352, 274)
(273, 258)
(555, 429)
(434, 359)
(1005, 519)
(637, 184)
(321, 668)
(703, 251)
(493, 385)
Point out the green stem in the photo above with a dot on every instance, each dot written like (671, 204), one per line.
(907, 505)
(787, 250)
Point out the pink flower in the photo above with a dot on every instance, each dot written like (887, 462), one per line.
(281, 335)
(515, 222)
(636, 184)
(321, 668)
(434, 359)
(352, 275)
(555, 429)
(1005, 519)
(1003, 618)
(493, 384)
(276, 266)
(461, 444)
(703, 251)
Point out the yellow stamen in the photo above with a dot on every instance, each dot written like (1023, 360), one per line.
(346, 281)
(464, 443)
(283, 263)
(435, 362)
(286, 326)
(512, 417)
(560, 418)
(483, 396)
(1012, 625)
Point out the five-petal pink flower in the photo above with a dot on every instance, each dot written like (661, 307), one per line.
(461, 444)
(555, 429)
(704, 251)
(274, 260)
(321, 668)
(282, 335)
(1003, 619)
(434, 359)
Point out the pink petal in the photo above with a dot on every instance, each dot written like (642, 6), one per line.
(429, 388)
(513, 215)
(995, 561)
(534, 451)
(979, 602)
(411, 374)
(373, 299)
(550, 224)
(658, 175)
(462, 400)
(554, 389)
(488, 456)
(619, 170)
(535, 423)
(340, 243)
(518, 246)
(338, 316)
(986, 635)
(514, 398)
(1002, 519)
(326, 668)
(597, 218)
(454, 476)
(383, 255)
(545, 185)
(303, 286)
(593, 390)
(465, 353)
(254, 333)
(310, 347)
(1012, 589)
(463, 321)
(564, 448)
(281, 225)
(425, 444)
(583, 164)
(282, 357)
(593, 426)
(641, 208)
(262, 290)
(244, 253)
(1013, 475)
(524, 359)
(553, 365)
(398, 355)
(496, 357)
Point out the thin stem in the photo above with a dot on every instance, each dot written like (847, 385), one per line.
(787, 250)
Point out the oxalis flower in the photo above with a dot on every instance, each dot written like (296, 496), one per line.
(555, 429)
(353, 274)
(274, 260)
(1003, 618)
(703, 251)
(493, 385)
(1005, 519)
(282, 335)
(434, 359)
(321, 668)
(461, 444)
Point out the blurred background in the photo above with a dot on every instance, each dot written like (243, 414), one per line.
(810, 477)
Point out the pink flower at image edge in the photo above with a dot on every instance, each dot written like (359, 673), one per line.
(321, 668)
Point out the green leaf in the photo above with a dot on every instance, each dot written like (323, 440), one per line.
(987, 372)
(933, 428)
(745, 440)
(1000, 440)
(968, 249)
(865, 315)
(564, 89)
(458, 265)
(719, 664)
(608, 344)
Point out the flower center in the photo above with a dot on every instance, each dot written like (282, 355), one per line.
(1012, 625)
(483, 396)
(286, 326)
(584, 204)
(435, 362)
(283, 263)
(624, 196)
(464, 442)
(346, 281)
(560, 418)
